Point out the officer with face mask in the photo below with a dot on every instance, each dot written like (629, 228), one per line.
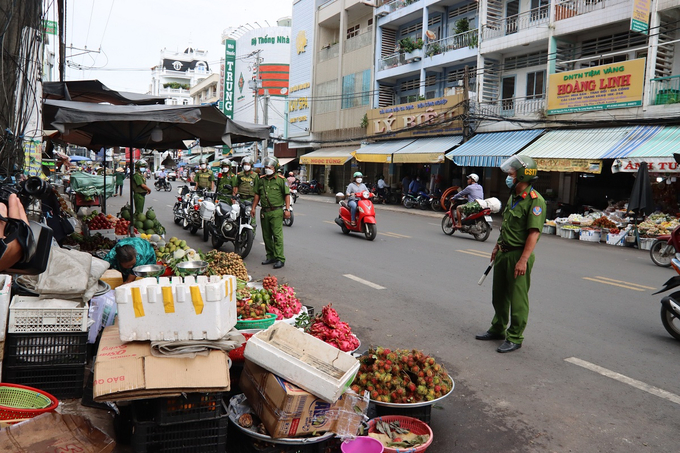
(204, 176)
(247, 183)
(139, 187)
(225, 178)
(274, 195)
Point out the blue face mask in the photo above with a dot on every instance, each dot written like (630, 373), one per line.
(510, 182)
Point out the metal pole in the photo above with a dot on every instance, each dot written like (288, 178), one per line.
(265, 143)
(257, 95)
(104, 197)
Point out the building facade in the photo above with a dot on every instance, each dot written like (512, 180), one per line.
(177, 72)
(206, 91)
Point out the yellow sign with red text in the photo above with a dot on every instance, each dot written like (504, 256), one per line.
(424, 118)
(616, 85)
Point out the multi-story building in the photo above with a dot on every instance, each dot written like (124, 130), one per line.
(206, 91)
(177, 72)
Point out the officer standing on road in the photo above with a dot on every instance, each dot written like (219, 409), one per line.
(513, 257)
(204, 177)
(226, 178)
(274, 193)
(139, 186)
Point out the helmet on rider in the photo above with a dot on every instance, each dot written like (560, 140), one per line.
(357, 174)
(290, 173)
(140, 163)
(162, 167)
(234, 165)
(270, 161)
(473, 177)
(525, 168)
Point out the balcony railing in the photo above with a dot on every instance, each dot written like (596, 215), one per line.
(399, 58)
(173, 91)
(513, 24)
(395, 5)
(564, 9)
(459, 41)
(514, 106)
(357, 42)
(665, 90)
(329, 53)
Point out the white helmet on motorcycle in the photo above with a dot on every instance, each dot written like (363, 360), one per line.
(473, 176)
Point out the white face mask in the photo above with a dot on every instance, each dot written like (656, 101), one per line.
(225, 170)
(269, 171)
(246, 167)
(359, 180)
(203, 167)
(142, 169)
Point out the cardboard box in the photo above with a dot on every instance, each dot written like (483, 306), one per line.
(113, 278)
(306, 361)
(288, 411)
(128, 371)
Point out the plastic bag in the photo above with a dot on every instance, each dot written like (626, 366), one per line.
(102, 313)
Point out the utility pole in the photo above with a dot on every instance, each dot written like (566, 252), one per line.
(265, 117)
(257, 86)
(466, 104)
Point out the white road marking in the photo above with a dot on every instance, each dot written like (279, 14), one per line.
(475, 253)
(434, 224)
(626, 380)
(328, 221)
(365, 282)
(169, 206)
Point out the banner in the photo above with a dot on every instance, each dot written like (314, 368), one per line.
(603, 87)
(654, 164)
(32, 157)
(639, 20)
(570, 165)
(414, 119)
(229, 76)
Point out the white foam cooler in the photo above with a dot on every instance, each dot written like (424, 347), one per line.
(176, 308)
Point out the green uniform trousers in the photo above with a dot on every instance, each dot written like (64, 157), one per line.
(272, 233)
(510, 296)
(139, 202)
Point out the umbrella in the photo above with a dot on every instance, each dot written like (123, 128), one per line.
(641, 201)
(78, 158)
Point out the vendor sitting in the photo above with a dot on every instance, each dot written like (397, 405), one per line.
(128, 253)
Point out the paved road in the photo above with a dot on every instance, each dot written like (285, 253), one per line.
(596, 373)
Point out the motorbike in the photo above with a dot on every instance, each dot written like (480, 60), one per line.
(312, 186)
(409, 200)
(670, 305)
(665, 247)
(229, 223)
(192, 217)
(435, 200)
(163, 184)
(365, 216)
(289, 221)
(388, 197)
(477, 224)
(294, 190)
(179, 209)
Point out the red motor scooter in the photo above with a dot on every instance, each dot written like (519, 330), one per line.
(365, 218)
(665, 247)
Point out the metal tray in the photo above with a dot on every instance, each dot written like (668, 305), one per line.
(414, 405)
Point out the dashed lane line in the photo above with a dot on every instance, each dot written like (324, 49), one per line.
(475, 253)
(619, 283)
(362, 281)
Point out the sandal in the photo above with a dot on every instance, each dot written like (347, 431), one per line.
(353, 223)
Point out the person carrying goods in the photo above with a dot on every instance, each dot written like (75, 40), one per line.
(472, 192)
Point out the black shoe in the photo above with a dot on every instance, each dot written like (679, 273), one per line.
(278, 265)
(269, 261)
(489, 336)
(508, 346)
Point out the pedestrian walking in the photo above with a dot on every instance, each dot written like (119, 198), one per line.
(120, 179)
(274, 194)
(139, 187)
(513, 255)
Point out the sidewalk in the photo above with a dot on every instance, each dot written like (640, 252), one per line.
(330, 198)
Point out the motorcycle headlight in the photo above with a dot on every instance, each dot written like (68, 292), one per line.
(248, 211)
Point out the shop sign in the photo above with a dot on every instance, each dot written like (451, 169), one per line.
(616, 85)
(32, 157)
(323, 160)
(229, 76)
(50, 27)
(639, 20)
(569, 165)
(427, 118)
(266, 39)
(654, 165)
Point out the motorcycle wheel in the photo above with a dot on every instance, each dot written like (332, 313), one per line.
(206, 233)
(288, 222)
(424, 204)
(393, 198)
(484, 235)
(168, 187)
(193, 229)
(178, 220)
(304, 190)
(370, 231)
(185, 223)
(447, 225)
(670, 322)
(216, 243)
(244, 244)
(408, 203)
(436, 205)
(661, 253)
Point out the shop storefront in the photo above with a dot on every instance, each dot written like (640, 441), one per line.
(330, 166)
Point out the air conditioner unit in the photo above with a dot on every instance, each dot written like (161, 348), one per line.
(415, 59)
(382, 14)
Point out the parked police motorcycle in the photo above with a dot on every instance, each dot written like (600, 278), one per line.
(192, 217)
(670, 305)
(229, 223)
(179, 209)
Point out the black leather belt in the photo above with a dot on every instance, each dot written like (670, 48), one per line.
(509, 248)
(274, 208)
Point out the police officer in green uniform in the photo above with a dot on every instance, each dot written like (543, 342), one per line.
(204, 177)
(513, 257)
(274, 194)
(224, 179)
(247, 183)
(139, 186)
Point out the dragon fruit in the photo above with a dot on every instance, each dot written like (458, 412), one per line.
(283, 300)
(327, 326)
(330, 316)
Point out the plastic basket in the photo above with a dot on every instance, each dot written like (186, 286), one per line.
(32, 315)
(412, 424)
(244, 324)
(62, 381)
(203, 436)
(20, 402)
(45, 348)
(189, 407)
(236, 355)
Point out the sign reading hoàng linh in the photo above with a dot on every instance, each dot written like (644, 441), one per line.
(603, 87)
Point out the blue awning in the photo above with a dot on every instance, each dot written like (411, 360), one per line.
(490, 149)
(635, 138)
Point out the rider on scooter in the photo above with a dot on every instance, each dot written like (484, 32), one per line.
(162, 175)
(357, 186)
(472, 192)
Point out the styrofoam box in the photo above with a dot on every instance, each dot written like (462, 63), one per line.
(304, 360)
(5, 290)
(169, 308)
(590, 235)
(646, 243)
(616, 239)
(28, 314)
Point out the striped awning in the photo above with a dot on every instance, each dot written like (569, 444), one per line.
(577, 143)
(426, 150)
(380, 152)
(662, 144)
(490, 149)
(635, 139)
(328, 156)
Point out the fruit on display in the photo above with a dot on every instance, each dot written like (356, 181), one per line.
(223, 263)
(100, 221)
(270, 282)
(603, 222)
(251, 303)
(392, 435)
(658, 224)
(327, 326)
(93, 243)
(283, 302)
(401, 376)
(145, 223)
(122, 227)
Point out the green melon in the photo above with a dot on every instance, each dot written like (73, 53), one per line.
(125, 214)
(148, 224)
(139, 225)
(150, 214)
(140, 216)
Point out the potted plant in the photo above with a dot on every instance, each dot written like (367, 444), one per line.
(412, 48)
(433, 49)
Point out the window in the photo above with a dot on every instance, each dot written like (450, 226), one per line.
(370, 21)
(536, 85)
(185, 102)
(353, 31)
(508, 93)
(356, 89)
(526, 61)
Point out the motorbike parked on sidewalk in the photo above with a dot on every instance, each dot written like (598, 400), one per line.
(477, 224)
(670, 305)
(312, 186)
(162, 184)
(229, 223)
(665, 247)
(365, 216)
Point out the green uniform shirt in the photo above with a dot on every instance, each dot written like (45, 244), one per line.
(273, 191)
(137, 181)
(120, 178)
(522, 213)
(204, 178)
(248, 184)
(226, 178)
